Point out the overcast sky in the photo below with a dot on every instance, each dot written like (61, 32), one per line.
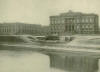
(38, 11)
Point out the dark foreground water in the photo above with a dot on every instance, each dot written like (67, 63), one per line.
(27, 61)
(75, 63)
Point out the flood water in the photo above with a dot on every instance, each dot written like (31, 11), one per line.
(23, 61)
(28, 61)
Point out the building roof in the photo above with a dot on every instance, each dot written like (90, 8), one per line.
(71, 13)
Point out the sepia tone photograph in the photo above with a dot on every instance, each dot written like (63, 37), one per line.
(49, 36)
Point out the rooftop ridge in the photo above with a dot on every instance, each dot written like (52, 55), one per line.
(70, 12)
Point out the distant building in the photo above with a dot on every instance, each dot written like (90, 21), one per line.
(74, 23)
(20, 28)
(8, 28)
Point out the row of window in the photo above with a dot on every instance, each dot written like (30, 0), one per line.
(73, 27)
(16, 30)
(84, 32)
(83, 20)
(7, 30)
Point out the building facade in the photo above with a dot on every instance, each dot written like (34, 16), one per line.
(74, 23)
(21, 28)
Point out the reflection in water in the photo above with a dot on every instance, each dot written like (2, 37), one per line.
(74, 64)
(99, 66)
(27, 61)
(13, 61)
(81, 64)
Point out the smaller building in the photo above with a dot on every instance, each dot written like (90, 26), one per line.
(22, 28)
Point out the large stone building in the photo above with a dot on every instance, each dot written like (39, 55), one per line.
(21, 28)
(74, 23)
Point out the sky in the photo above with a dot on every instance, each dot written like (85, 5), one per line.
(38, 11)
